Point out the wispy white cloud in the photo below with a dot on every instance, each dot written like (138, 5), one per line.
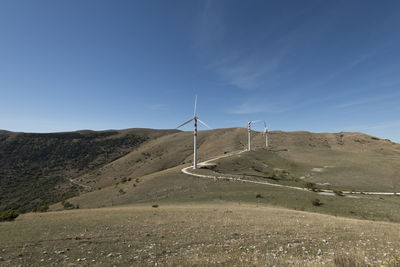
(367, 100)
(256, 106)
(248, 71)
(243, 67)
(248, 108)
(278, 105)
(210, 28)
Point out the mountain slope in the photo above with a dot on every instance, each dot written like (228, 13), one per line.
(165, 152)
(298, 153)
(35, 168)
(352, 160)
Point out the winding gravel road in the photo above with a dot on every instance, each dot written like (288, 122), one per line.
(230, 178)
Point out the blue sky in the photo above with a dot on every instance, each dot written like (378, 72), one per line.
(321, 66)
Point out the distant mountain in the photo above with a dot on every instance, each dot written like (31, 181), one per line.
(36, 168)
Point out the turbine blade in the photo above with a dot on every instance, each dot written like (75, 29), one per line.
(246, 119)
(255, 121)
(204, 123)
(184, 123)
(265, 124)
(195, 105)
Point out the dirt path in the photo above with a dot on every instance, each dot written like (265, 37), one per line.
(230, 178)
(87, 187)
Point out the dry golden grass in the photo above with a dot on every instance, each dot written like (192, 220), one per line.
(166, 152)
(206, 222)
(195, 234)
(172, 186)
(358, 159)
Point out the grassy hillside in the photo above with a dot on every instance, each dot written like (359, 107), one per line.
(211, 233)
(345, 161)
(145, 210)
(172, 187)
(293, 158)
(166, 152)
(35, 168)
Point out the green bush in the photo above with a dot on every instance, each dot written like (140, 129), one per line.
(338, 192)
(311, 186)
(8, 215)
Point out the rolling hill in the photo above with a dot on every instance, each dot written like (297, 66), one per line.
(35, 169)
(40, 169)
(137, 207)
(344, 161)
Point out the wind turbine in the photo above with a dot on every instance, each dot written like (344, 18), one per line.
(249, 131)
(195, 119)
(266, 133)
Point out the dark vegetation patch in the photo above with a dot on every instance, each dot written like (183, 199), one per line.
(316, 202)
(35, 168)
(8, 215)
(311, 186)
(338, 192)
(121, 191)
(69, 206)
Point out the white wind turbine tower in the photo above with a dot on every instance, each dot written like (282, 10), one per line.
(249, 132)
(266, 133)
(195, 119)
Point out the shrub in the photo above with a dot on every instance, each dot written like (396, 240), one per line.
(67, 205)
(8, 215)
(43, 208)
(316, 202)
(124, 180)
(121, 191)
(155, 206)
(338, 192)
(259, 196)
(311, 186)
